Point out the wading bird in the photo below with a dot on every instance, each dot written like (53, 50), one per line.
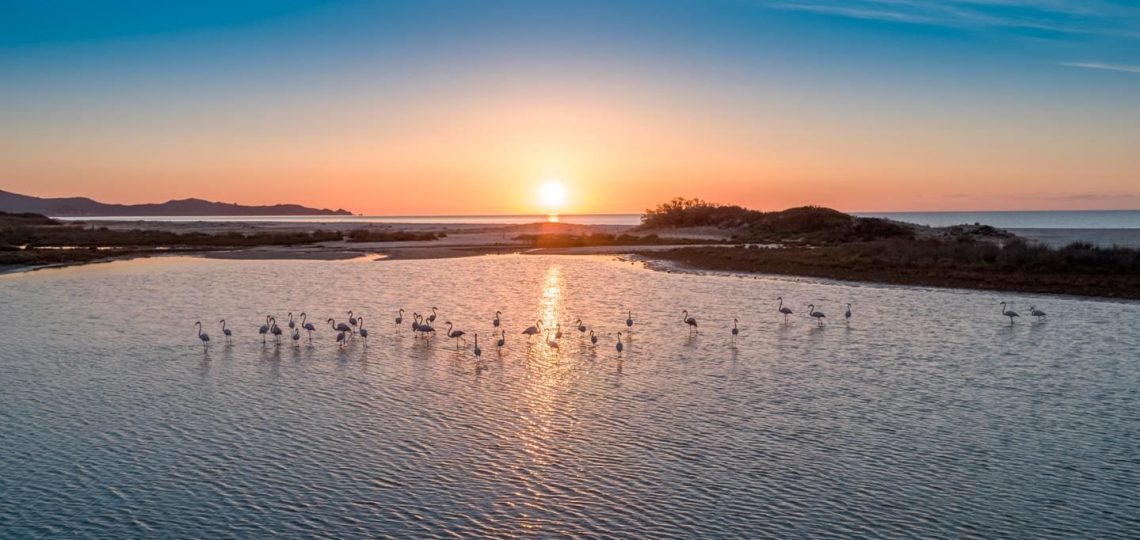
(502, 339)
(202, 335)
(557, 330)
(226, 331)
(815, 314)
(847, 314)
(352, 321)
(785, 310)
(275, 330)
(533, 330)
(478, 351)
(735, 332)
(363, 332)
(415, 322)
(431, 318)
(340, 337)
(399, 319)
(264, 328)
(593, 338)
(426, 329)
(629, 320)
(339, 327)
(619, 345)
(496, 322)
(1008, 313)
(455, 334)
(291, 323)
(1037, 313)
(308, 326)
(552, 343)
(689, 321)
(581, 327)
(296, 337)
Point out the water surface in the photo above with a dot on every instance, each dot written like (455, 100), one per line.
(929, 416)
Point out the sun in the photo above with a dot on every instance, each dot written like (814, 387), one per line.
(552, 195)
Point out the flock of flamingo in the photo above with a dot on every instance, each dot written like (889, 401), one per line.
(422, 327)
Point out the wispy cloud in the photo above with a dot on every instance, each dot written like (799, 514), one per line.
(1097, 17)
(1103, 66)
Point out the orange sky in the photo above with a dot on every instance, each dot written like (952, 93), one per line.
(225, 115)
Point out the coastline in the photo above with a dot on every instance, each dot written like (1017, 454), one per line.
(688, 253)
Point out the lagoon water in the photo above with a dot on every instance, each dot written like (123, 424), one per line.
(929, 416)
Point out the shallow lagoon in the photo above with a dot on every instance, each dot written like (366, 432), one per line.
(928, 416)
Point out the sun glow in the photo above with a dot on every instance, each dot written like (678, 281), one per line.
(552, 195)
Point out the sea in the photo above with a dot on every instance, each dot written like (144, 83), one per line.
(1061, 219)
(927, 414)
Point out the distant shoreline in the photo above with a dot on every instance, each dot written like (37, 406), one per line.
(700, 248)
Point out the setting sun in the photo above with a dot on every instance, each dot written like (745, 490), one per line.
(552, 195)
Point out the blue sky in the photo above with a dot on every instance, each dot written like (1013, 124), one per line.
(100, 83)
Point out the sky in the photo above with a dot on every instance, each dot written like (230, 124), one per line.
(432, 107)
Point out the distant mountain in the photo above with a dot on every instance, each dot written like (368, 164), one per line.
(84, 207)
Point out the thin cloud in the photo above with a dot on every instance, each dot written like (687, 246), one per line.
(1102, 66)
(858, 13)
(1053, 16)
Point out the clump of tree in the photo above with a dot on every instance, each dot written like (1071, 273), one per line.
(806, 224)
(682, 212)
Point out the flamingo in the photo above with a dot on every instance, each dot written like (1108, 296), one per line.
(296, 337)
(689, 321)
(226, 331)
(340, 337)
(593, 338)
(431, 318)
(352, 321)
(495, 322)
(735, 331)
(786, 311)
(308, 326)
(581, 327)
(502, 339)
(557, 330)
(629, 320)
(532, 330)
(399, 319)
(847, 314)
(202, 335)
(619, 345)
(264, 329)
(1008, 313)
(455, 334)
(339, 327)
(426, 329)
(478, 352)
(817, 315)
(291, 323)
(363, 332)
(1037, 313)
(276, 331)
(552, 343)
(415, 322)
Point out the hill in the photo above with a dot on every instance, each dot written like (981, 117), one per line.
(85, 207)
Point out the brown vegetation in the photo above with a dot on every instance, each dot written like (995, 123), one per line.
(1081, 269)
(600, 239)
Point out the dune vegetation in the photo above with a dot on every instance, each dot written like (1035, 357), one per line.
(819, 242)
(33, 239)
